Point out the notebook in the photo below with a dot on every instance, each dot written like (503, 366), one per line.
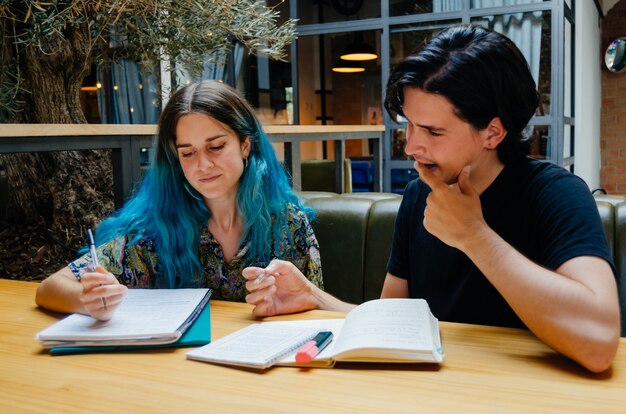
(198, 334)
(255, 346)
(145, 317)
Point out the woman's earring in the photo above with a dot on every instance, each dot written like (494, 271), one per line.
(245, 163)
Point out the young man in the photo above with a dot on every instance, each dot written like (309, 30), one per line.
(485, 235)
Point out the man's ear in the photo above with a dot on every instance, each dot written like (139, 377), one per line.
(495, 132)
(245, 147)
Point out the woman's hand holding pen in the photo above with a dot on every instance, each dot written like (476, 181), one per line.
(281, 289)
(102, 293)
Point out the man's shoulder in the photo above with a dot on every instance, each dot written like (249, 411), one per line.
(545, 184)
(540, 175)
(542, 169)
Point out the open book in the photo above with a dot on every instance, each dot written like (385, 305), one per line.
(382, 330)
(145, 317)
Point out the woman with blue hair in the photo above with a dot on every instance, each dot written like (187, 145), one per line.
(214, 201)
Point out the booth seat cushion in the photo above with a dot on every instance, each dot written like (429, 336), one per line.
(307, 195)
(619, 256)
(380, 227)
(372, 195)
(341, 229)
(318, 175)
(607, 215)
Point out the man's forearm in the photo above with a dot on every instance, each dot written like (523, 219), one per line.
(573, 310)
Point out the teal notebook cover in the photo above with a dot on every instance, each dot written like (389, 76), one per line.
(199, 333)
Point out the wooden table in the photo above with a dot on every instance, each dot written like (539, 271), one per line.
(486, 370)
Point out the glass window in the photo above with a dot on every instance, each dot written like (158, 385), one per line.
(568, 141)
(89, 98)
(336, 91)
(400, 177)
(328, 93)
(267, 85)
(406, 39)
(406, 7)
(568, 66)
(398, 141)
(280, 6)
(126, 93)
(319, 11)
(532, 34)
(479, 4)
(540, 142)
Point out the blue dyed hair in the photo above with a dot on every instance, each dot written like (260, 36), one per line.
(166, 209)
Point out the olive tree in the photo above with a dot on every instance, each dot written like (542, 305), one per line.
(49, 47)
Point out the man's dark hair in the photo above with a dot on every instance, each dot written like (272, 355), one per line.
(483, 75)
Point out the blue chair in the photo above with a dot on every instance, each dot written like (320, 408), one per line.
(362, 176)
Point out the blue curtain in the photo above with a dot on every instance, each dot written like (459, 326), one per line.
(127, 95)
(216, 69)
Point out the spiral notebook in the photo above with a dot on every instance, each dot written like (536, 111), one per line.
(256, 346)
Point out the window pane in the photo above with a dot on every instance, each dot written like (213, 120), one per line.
(398, 141)
(125, 94)
(479, 4)
(314, 12)
(540, 142)
(568, 67)
(532, 34)
(406, 7)
(400, 177)
(266, 84)
(406, 39)
(280, 6)
(342, 98)
(568, 141)
(329, 97)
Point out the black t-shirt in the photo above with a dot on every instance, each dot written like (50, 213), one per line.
(542, 210)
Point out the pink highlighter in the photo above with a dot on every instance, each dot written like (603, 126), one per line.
(311, 349)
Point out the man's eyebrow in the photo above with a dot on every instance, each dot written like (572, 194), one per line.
(208, 139)
(430, 127)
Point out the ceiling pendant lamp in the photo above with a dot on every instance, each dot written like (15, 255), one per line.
(347, 66)
(359, 50)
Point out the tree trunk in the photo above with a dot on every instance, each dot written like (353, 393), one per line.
(57, 194)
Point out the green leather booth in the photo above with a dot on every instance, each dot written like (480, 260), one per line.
(355, 232)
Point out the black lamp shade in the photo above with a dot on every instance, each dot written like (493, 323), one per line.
(359, 50)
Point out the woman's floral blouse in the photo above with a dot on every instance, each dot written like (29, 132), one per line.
(136, 265)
